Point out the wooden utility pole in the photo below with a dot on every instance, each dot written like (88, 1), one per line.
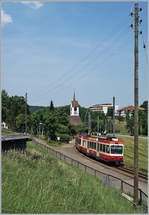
(136, 100)
(98, 124)
(113, 115)
(26, 113)
(89, 122)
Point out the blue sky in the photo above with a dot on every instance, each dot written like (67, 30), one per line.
(49, 50)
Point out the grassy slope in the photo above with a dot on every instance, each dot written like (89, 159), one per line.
(7, 132)
(129, 152)
(121, 126)
(47, 186)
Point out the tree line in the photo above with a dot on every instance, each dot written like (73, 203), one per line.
(53, 122)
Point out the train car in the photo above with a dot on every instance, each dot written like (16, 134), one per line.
(107, 149)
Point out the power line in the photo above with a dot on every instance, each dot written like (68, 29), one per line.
(70, 72)
(68, 78)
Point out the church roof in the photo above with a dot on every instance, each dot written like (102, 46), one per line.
(75, 103)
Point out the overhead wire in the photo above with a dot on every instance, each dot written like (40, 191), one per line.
(76, 78)
(66, 77)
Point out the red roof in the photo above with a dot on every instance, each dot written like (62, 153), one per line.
(130, 108)
(75, 103)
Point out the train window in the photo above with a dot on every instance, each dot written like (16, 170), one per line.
(101, 147)
(107, 149)
(115, 149)
(104, 148)
(97, 147)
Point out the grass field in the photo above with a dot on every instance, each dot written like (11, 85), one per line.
(38, 183)
(129, 152)
(7, 132)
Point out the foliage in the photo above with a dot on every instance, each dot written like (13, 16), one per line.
(51, 106)
(129, 152)
(46, 185)
(12, 107)
(143, 120)
(63, 137)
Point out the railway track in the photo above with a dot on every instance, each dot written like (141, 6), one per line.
(141, 174)
(124, 170)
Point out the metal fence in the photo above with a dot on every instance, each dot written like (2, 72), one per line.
(106, 179)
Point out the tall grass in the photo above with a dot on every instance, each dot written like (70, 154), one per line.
(129, 152)
(36, 182)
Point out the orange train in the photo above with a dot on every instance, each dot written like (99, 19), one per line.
(107, 149)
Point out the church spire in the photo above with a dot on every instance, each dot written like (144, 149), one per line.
(74, 97)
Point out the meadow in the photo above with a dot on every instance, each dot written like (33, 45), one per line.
(129, 152)
(36, 182)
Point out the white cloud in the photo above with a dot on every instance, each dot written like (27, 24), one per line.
(5, 18)
(33, 4)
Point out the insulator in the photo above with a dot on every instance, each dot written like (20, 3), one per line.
(140, 32)
(131, 25)
(140, 9)
(131, 14)
(140, 20)
(144, 46)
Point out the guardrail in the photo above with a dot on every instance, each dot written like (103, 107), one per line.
(106, 179)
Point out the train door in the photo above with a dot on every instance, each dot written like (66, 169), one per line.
(97, 149)
(88, 145)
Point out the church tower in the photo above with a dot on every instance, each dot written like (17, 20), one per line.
(74, 118)
(74, 107)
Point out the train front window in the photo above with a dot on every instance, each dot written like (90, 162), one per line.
(116, 149)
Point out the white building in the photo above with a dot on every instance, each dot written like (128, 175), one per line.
(103, 108)
(4, 125)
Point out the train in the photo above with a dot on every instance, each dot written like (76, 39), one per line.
(108, 149)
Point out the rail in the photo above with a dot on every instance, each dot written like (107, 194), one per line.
(108, 180)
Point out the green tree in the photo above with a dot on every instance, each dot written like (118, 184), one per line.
(51, 126)
(51, 106)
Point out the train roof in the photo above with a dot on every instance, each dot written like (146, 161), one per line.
(103, 139)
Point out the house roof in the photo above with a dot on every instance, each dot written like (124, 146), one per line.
(130, 108)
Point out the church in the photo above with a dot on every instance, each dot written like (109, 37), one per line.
(74, 117)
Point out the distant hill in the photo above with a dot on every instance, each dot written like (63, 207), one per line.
(35, 108)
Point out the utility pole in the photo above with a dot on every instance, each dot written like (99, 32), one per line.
(136, 100)
(26, 113)
(89, 122)
(98, 124)
(113, 115)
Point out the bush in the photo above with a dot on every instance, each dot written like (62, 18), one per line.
(64, 137)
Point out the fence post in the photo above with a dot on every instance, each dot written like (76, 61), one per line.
(140, 200)
(122, 186)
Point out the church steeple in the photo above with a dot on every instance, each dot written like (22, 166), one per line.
(74, 108)
(74, 118)
(74, 97)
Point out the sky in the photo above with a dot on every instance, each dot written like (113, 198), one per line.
(50, 50)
